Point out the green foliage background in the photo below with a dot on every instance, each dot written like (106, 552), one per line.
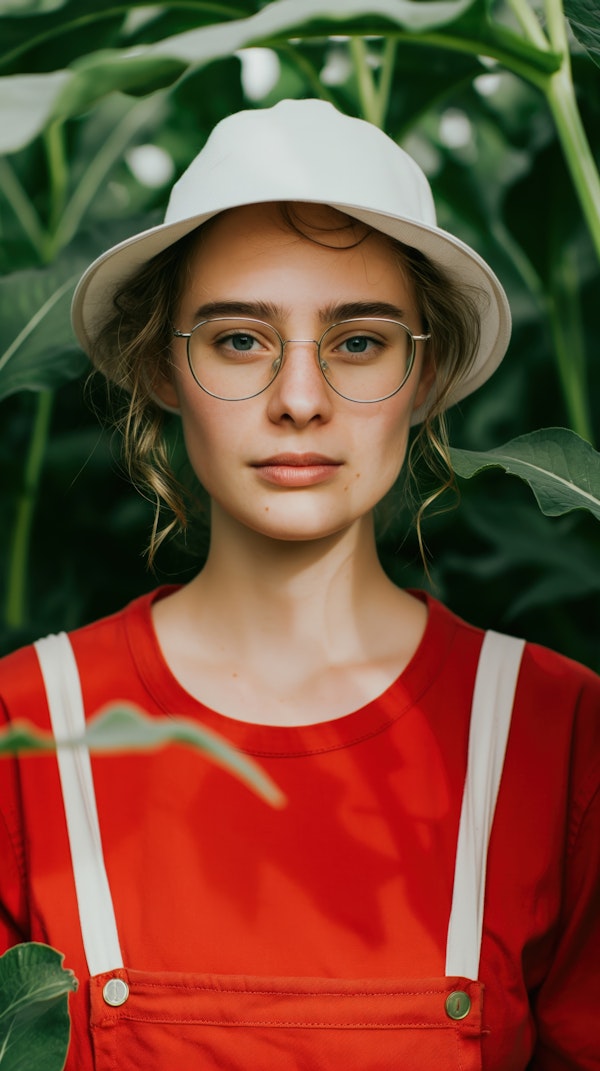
(487, 95)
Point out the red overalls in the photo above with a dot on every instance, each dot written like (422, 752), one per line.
(143, 1021)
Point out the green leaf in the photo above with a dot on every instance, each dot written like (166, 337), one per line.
(153, 66)
(585, 24)
(462, 25)
(34, 1018)
(552, 554)
(30, 7)
(26, 103)
(29, 102)
(287, 18)
(101, 73)
(452, 24)
(562, 469)
(37, 347)
(127, 728)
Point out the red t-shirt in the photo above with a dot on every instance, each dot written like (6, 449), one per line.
(354, 877)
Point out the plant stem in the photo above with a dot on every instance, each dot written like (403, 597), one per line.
(22, 207)
(565, 320)
(369, 106)
(386, 79)
(502, 48)
(557, 30)
(373, 99)
(560, 95)
(59, 177)
(110, 150)
(528, 22)
(18, 559)
(306, 68)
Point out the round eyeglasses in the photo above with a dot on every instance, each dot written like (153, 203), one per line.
(364, 360)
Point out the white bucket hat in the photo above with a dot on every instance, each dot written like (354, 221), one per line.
(305, 150)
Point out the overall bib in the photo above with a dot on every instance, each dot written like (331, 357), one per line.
(158, 1021)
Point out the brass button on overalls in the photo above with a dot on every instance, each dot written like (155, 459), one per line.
(458, 1005)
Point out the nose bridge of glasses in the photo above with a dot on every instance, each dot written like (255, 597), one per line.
(300, 341)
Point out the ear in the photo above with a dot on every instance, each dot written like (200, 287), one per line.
(426, 380)
(164, 394)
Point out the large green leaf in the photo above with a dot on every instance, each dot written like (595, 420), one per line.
(34, 1019)
(441, 22)
(123, 727)
(26, 104)
(584, 18)
(46, 40)
(159, 64)
(455, 24)
(552, 554)
(37, 347)
(562, 469)
(30, 7)
(101, 73)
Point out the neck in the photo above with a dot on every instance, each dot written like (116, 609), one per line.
(296, 588)
(289, 632)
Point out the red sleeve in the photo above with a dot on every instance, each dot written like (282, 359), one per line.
(567, 1004)
(13, 899)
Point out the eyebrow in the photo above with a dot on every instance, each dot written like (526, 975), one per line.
(329, 314)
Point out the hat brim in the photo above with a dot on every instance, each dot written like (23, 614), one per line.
(93, 305)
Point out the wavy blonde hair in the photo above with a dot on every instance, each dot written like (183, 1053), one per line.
(133, 351)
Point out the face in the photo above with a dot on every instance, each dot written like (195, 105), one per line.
(297, 462)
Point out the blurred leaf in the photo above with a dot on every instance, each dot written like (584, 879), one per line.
(30, 7)
(544, 192)
(558, 562)
(421, 79)
(585, 24)
(26, 103)
(467, 21)
(152, 66)
(49, 40)
(101, 73)
(34, 1019)
(37, 347)
(287, 18)
(127, 728)
(562, 470)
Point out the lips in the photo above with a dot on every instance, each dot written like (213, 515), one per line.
(296, 470)
(296, 460)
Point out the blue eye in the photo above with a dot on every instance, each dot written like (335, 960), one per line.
(357, 344)
(243, 343)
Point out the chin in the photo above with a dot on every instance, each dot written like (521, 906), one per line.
(286, 530)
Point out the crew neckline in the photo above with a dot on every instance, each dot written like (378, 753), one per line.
(263, 740)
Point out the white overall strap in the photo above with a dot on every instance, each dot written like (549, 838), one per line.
(491, 712)
(65, 702)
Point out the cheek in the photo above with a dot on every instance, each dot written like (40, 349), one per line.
(216, 438)
(204, 437)
(380, 446)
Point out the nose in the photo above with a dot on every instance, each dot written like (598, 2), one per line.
(299, 392)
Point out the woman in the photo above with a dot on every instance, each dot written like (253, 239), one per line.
(300, 309)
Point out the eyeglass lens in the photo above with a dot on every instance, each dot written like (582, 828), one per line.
(363, 360)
